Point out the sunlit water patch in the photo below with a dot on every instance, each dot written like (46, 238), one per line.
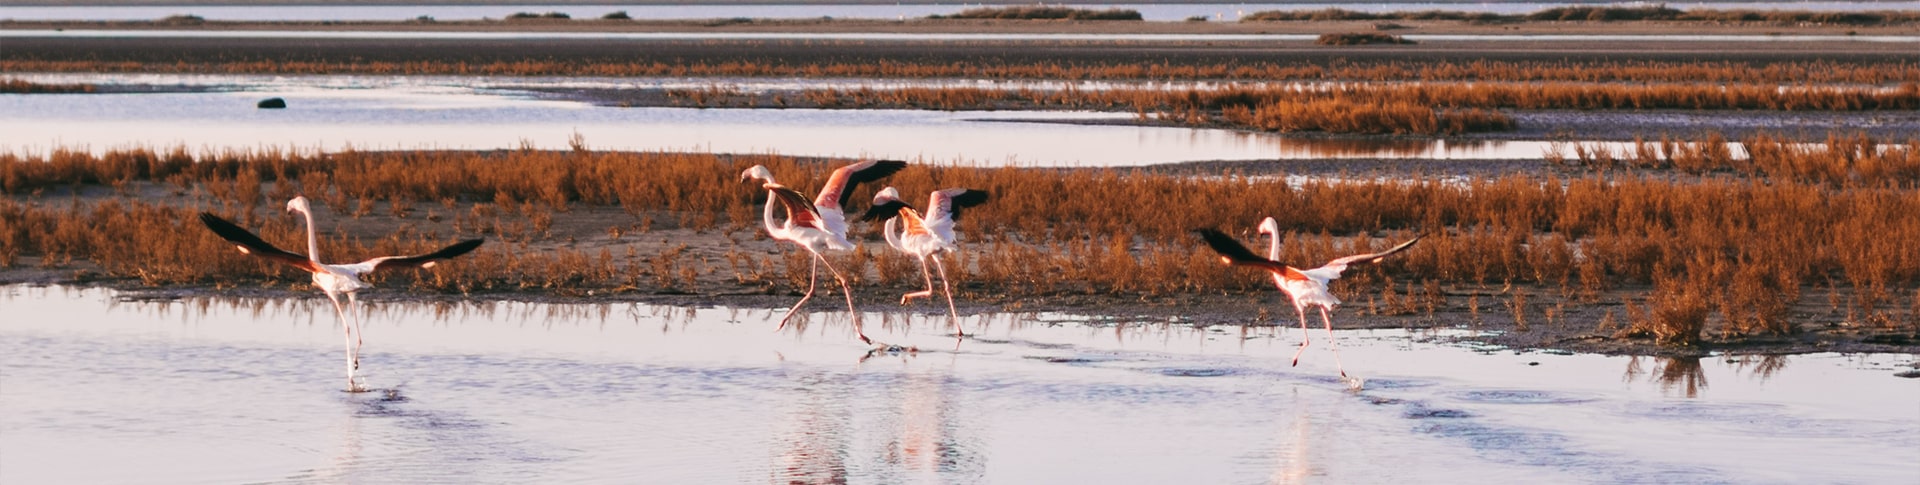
(390, 112)
(247, 390)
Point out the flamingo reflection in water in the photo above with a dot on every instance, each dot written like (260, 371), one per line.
(332, 279)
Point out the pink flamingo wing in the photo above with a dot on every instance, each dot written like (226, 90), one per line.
(841, 184)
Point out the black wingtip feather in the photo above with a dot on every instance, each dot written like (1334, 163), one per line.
(966, 198)
(460, 248)
(231, 232)
(1232, 250)
(970, 198)
(889, 210)
(880, 169)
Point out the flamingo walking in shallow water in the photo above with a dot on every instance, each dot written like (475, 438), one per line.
(925, 238)
(819, 225)
(1307, 288)
(332, 279)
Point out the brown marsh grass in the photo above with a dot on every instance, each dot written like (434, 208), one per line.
(1708, 72)
(1841, 161)
(1726, 250)
(17, 86)
(1583, 96)
(1361, 38)
(1426, 109)
(1600, 14)
(1042, 12)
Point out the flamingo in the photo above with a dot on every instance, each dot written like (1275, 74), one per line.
(922, 238)
(1307, 288)
(332, 279)
(821, 224)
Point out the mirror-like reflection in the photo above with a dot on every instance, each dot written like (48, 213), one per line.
(217, 389)
(1684, 373)
(810, 439)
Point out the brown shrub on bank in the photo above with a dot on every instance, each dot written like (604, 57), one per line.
(1584, 96)
(1361, 38)
(1328, 14)
(1042, 12)
(17, 86)
(1332, 116)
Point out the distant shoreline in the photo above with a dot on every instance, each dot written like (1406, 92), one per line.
(997, 26)
(166, 3)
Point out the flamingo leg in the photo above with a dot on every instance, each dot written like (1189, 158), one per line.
(923, 275)
(953, 315)
(849, 291)
(813, 277)
(1304, 337)
(1331, 344)
(359, 330)
(352, 360)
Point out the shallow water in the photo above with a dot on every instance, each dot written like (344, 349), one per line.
(247, 390)
(439, 112)
(1161, 12)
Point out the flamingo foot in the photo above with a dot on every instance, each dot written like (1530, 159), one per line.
(908, 298)
(886, 349)
(1353, 383)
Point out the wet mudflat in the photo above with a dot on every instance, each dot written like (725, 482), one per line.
(248, 390)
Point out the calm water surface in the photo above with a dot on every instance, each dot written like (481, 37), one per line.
(247, 390)
(446, 112)
(1162, 12)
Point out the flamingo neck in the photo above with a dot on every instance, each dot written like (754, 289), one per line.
(1273, 246)
(893, 234)
(313, 239)
(767, 218)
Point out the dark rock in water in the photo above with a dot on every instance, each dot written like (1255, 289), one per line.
(1908, 374)
(272, 103)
